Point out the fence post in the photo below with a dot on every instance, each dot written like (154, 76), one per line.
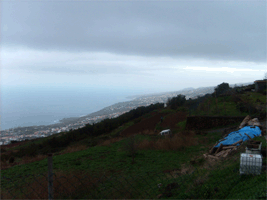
(50, 176)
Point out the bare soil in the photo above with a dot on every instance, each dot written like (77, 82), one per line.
(146, 124)
(171, 120)
(150, 124)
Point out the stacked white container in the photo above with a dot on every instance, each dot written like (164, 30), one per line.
(250, 163)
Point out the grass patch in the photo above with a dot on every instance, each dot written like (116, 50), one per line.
(254, 97)
(112, 157)
(158, 127)
(169, 158)
(223, 106)
(117, 131)
(167, 111)
(181, 125)
(262, 139)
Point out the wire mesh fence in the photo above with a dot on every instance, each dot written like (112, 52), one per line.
(214, 182)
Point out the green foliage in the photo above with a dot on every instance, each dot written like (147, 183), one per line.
(181, 124)
(192, 104)
(183, 109)
(246, 107)
(257, 98)
(221, 88)
(175, 102)
(262, 139)
(167, 111)
(225, 106)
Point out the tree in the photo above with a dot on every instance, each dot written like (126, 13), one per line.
(220, 89)
(177, 101)
(265, 76)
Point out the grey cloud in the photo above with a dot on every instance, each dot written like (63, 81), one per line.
(94, 69)
(224, 30)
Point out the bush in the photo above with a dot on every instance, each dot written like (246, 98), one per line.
(182, 124)
(222, 88)
(183, 109)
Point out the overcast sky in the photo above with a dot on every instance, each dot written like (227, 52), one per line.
(152, 46)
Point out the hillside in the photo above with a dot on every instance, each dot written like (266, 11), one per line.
(116, 150)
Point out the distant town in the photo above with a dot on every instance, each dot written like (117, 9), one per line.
(113, 111)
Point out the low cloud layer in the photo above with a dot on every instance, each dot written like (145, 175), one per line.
(157, 74)
(142, 46)
(218, 30)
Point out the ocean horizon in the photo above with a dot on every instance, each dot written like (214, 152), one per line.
(33, 106)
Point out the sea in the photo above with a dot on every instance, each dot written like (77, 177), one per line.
(34, 106)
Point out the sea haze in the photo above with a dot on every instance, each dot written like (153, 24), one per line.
(30, 106)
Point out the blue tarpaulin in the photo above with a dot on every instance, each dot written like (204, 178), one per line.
(252, 131)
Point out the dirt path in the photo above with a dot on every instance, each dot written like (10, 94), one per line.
(149, 124)
(173, 119)
(145, 125)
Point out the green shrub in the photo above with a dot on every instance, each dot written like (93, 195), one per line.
(182, 124)
(183, 109)
(220, 89)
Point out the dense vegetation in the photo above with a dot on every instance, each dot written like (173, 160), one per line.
(220, 89)
(176, 102)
